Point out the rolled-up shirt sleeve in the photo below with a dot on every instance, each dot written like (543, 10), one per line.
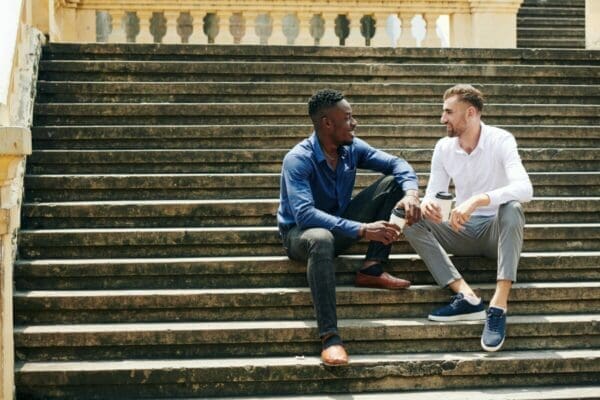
(519, 185)
(296, 175)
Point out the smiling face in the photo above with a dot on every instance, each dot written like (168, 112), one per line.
(456, 115)
(340, 124)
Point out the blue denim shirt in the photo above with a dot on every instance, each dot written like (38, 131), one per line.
(313, 195)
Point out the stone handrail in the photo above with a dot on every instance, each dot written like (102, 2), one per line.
(468, 23)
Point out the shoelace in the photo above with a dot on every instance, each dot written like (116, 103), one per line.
(494, 321)
(455, 299)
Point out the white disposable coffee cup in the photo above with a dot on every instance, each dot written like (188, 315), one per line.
(444, 200)
(397, 217)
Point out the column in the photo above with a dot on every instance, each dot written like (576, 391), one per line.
(117, 34)
(592, 24)
(15, 143)
(406, 37)
(171, 36)
(460, 30)
(381, 38)
(86, 26)
(431, 37)
(224, 36)
(355, 38)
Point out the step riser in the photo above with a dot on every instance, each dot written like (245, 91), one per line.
(466, 338)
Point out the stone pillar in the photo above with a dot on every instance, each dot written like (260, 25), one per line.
(15, 143)
(406, 37)
(329, 38)
(460, 30)
(431, 37)
(171, 36)
(592, 24)
(117, 35)
(224, 36)
(144, 36)
(381, 38)
(355, 38)
(494, 23)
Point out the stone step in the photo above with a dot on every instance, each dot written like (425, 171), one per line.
(559, 22)
(260, 160)
(243, 241)
(125, 51)
(554, 3)
(285, 303)
(124, 92)
(283, 136)
(515, 393)
(251, 212)
(52, 188)
(547, 32)
(551, 12)
(295, 113)
(275, 271)
(215, 71)
(551, 43)
(180, 340)
(305, 375)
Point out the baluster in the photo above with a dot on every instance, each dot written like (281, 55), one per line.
(355, 38)
(198, 35)
(304, 37)
(144, 36)
(224, 36)
(277, 36)
(329, 37)
(117, 34)
(431, 37)
(406, 36)
(171, 36)
(381, 38)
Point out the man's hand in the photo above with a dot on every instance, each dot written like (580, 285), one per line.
(411, 205)
(431, 211)
(461, 214)
(380, 231)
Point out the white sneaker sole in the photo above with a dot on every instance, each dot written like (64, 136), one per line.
(476, 316)
(491, 349)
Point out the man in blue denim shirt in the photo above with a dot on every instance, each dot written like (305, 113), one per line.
(318, 219)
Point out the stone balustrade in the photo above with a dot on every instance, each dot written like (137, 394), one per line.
(427, 23)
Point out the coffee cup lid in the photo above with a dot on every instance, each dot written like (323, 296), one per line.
(399, 212)
(444, 195)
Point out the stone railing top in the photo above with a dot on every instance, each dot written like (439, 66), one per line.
(431, 6)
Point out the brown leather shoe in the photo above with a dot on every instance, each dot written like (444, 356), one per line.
(383, 281)
(334, 355)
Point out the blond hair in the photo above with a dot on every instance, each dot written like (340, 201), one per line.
(466, 93)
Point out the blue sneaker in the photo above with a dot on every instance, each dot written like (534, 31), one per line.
(459, 309)
(494, 330)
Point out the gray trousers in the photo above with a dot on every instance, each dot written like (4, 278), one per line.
(319, 246)
(498, 237)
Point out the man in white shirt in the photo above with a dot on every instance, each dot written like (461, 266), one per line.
(490, 183)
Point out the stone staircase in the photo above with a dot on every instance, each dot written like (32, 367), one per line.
(551, 23)
(150, 265)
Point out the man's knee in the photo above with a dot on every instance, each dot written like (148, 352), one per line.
(511, 215)
(319, 241)
(415, 230)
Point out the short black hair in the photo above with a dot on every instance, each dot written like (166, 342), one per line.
(321, 101)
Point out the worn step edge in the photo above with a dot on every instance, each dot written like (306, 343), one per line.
(124, 334)
(99, 299)
(260, 265)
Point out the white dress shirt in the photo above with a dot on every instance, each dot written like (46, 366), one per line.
(493, 167)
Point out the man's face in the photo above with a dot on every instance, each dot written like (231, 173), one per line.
(341, 122)
(455, 116)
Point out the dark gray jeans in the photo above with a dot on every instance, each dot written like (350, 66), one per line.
(319, 246)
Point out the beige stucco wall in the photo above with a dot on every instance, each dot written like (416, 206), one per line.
(592, 24)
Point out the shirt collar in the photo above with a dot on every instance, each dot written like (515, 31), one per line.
(318, 152)
(483, 135)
